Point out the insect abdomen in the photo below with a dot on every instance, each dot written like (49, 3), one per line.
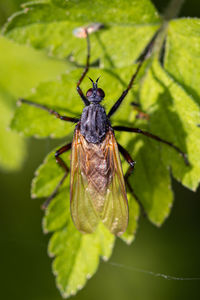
(93, 123)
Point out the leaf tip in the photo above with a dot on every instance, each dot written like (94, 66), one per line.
(51, 255)
(52, 135)
(65, 295)
(73, 292)
(44, 227)
(170, 206)
(129, 240)
(79, 287)
(36, 173)
(19, 102)
(105, 258)
(33, 195)
(88, 276)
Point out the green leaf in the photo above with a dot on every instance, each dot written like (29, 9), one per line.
(48, 175)
(183, 62)
(12, 146)
(178, 116)
(50, 27)
(21, 69)
(77, 256)
(58, 213)
(151, 179)
(117, 12)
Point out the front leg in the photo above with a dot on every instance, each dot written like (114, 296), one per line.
(49, 110)
(85, 100)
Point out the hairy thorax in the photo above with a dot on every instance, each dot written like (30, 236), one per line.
(93, 123)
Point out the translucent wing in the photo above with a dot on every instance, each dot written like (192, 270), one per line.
(97, 185)
(115, 210)
(83, 211)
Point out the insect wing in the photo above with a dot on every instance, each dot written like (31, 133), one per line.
(82, 209)
(97, 185)
(115, 211)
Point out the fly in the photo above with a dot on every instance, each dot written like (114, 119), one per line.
(97, 184)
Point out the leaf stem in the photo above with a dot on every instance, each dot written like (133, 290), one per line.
(173, 9)
(171, 12)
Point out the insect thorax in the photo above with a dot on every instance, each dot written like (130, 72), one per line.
(94, 124)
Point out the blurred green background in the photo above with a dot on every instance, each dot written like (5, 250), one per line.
(26, 273)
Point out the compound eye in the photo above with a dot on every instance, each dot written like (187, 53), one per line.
(100, 93)
(89, 93)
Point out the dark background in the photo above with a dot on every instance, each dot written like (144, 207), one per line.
(173, 249)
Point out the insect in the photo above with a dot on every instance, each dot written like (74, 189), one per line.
(98, 187)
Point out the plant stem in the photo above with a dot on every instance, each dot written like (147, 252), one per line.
(171, 12)
(173, 9)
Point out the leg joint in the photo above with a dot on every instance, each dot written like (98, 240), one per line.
(132, 163)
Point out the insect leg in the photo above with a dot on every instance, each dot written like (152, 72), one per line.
(85, 100)
(155, 137)
(61, 162)
(51, 111)
(131, 162)
(125, 92)
(141, 59)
